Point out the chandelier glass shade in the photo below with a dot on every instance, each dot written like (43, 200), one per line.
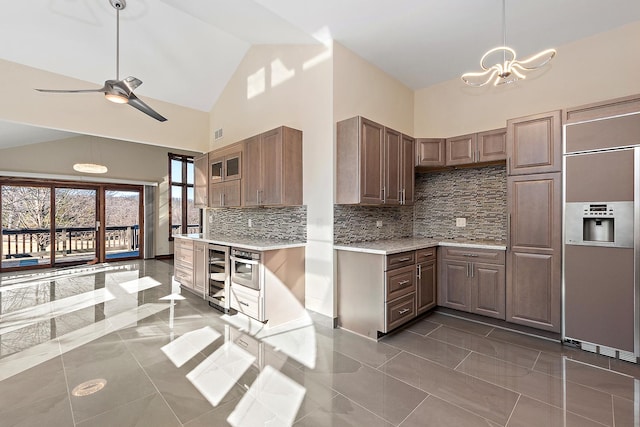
(509, 69)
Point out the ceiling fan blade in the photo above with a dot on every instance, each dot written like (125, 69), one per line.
(102, 89)
(132, 82)
(137, 103)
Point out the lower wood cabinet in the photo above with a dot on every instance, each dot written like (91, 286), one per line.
(473, 280)
(183, 262)
(377, 293)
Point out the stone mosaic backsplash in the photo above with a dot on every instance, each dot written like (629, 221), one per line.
(477, 194)
(281, 223)
(358, 223)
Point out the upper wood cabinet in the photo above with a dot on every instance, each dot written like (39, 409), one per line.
(374, 164)
(430, 152)
(489, 146)
(273, 168)
(201, 181)
(534, 144)
(225, 164)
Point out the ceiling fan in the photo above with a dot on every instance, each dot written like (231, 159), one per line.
(118, 91)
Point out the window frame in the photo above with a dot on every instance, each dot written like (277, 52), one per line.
(185, 160)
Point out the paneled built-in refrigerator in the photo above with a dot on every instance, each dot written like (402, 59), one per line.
(601, 237)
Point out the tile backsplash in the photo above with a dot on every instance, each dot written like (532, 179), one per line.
(477, 194)
(358, 223)
(281, 223)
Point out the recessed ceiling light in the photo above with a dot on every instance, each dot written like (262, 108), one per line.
(90, 168)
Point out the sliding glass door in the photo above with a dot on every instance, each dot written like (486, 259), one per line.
(122, 223)
(49, 224)
(26, 226)
(75, 225)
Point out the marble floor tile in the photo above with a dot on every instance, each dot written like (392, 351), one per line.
(112, 322)
(584, 401)
(474, 395)
(531, 413)
(499, 349)
(344, 413)
(458, 323)
(150, 410)
(428, 348)
(434, 412)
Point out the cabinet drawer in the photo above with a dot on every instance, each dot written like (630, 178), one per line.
(183, 257)
(400, 311)
(400, 281)
(400, 260)
(427, 254)
(185, 277)
(492, 256)
(247, 301)
(186, 244)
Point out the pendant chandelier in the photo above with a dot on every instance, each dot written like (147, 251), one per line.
(511, 69)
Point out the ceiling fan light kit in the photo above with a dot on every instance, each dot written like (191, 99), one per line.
(118, 91)
(90, 168)
(510, 69)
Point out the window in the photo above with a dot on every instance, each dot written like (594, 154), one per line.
(185, 217)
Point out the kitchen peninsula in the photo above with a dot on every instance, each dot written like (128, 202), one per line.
(384, 284)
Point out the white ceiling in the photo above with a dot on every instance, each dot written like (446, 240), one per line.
(185, 51)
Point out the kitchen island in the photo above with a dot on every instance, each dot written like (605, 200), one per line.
(261, 278)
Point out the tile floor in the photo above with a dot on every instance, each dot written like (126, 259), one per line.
(119, 345)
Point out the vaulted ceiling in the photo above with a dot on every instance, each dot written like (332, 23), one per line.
(185, 51)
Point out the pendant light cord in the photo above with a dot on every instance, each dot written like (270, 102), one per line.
(504, 30)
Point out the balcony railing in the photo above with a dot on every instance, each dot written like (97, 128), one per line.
(29, 246)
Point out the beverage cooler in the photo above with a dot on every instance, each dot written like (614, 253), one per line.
(601, 245)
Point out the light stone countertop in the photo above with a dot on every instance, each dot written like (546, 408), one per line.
(250, 243)
(393, 246)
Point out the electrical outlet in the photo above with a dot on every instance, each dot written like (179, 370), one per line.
(250, 223)
(378, 224)
(461, 222)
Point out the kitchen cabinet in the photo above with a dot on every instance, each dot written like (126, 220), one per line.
(534, 144)
(201, 181)
(374, 164)
(473, 280)
(430, 152)
(427, 280)
(225, 194)
(534, 250)
(183, 257)
(273, 168)
(377, 293)
(225, 164)
(200, 268)
(479, 147)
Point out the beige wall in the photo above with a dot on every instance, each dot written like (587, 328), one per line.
(126, 161)
(291, 86)
(361, 89)
(91, 114)
(597, 68)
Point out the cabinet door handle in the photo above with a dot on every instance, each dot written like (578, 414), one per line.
(419, 273)
(471, 267)
(478, 157)
(403, 282)
(467, 269)
(257, 197)
(404, 310)
(384, 200)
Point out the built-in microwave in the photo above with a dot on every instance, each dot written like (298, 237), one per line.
(245, 268)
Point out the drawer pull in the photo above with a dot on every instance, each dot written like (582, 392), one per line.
(403, 282)
(403, 311)
(471, 255)
(243, 303)
(404, 259)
